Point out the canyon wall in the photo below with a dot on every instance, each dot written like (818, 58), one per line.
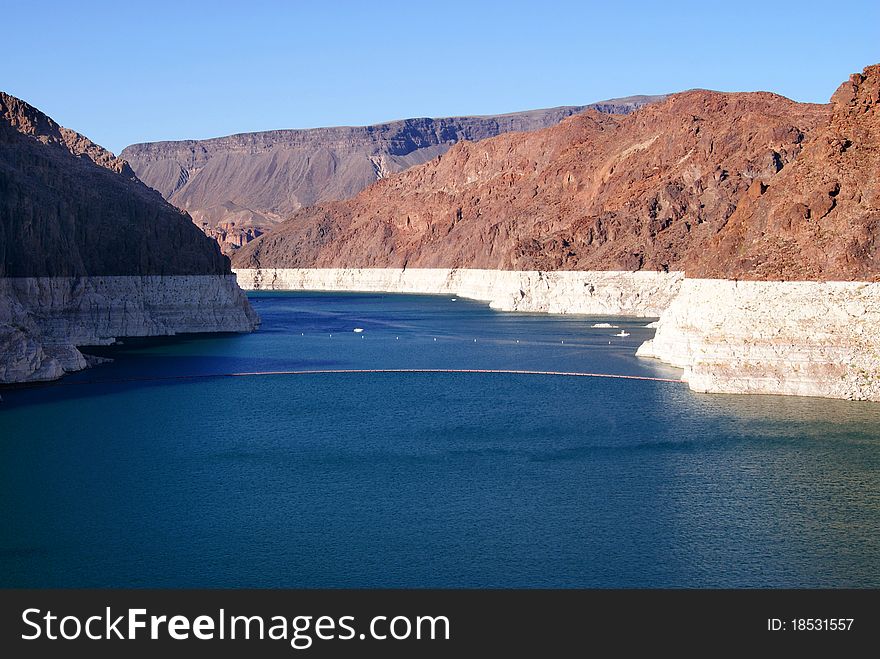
(647, 191)
(818, 221)
(799, 338)
(48, 318)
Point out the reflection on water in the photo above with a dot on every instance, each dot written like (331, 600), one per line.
(427, 479)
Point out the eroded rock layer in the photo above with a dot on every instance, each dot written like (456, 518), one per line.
(799, 338)
(57, 314)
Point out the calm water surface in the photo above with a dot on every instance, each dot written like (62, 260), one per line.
(441, 480)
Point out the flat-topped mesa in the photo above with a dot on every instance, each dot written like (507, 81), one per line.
(259, 179)
(89, 253)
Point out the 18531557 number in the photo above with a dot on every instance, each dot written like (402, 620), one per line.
(821, 624)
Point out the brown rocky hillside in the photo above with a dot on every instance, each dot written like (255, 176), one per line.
(748, 185)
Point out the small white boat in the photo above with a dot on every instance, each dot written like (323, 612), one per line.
(358, 330)
(622, 333)
(605, 325)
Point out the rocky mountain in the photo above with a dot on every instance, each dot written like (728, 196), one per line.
(237, 187)
(654, 190)
(89, 253)
(71, 208)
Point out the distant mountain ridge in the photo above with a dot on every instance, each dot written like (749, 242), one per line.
(238, 186)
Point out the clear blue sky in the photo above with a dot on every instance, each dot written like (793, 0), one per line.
(123, 72)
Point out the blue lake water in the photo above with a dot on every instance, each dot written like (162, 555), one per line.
(117, 477)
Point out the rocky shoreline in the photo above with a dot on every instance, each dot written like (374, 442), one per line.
(643, 294)
(89, 254)
(798, 338)
(45, 320)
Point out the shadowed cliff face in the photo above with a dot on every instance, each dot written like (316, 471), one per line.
(596, 192)
(239, 186)
(70, 208)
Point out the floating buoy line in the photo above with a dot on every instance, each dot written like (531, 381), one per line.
(359, 371)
